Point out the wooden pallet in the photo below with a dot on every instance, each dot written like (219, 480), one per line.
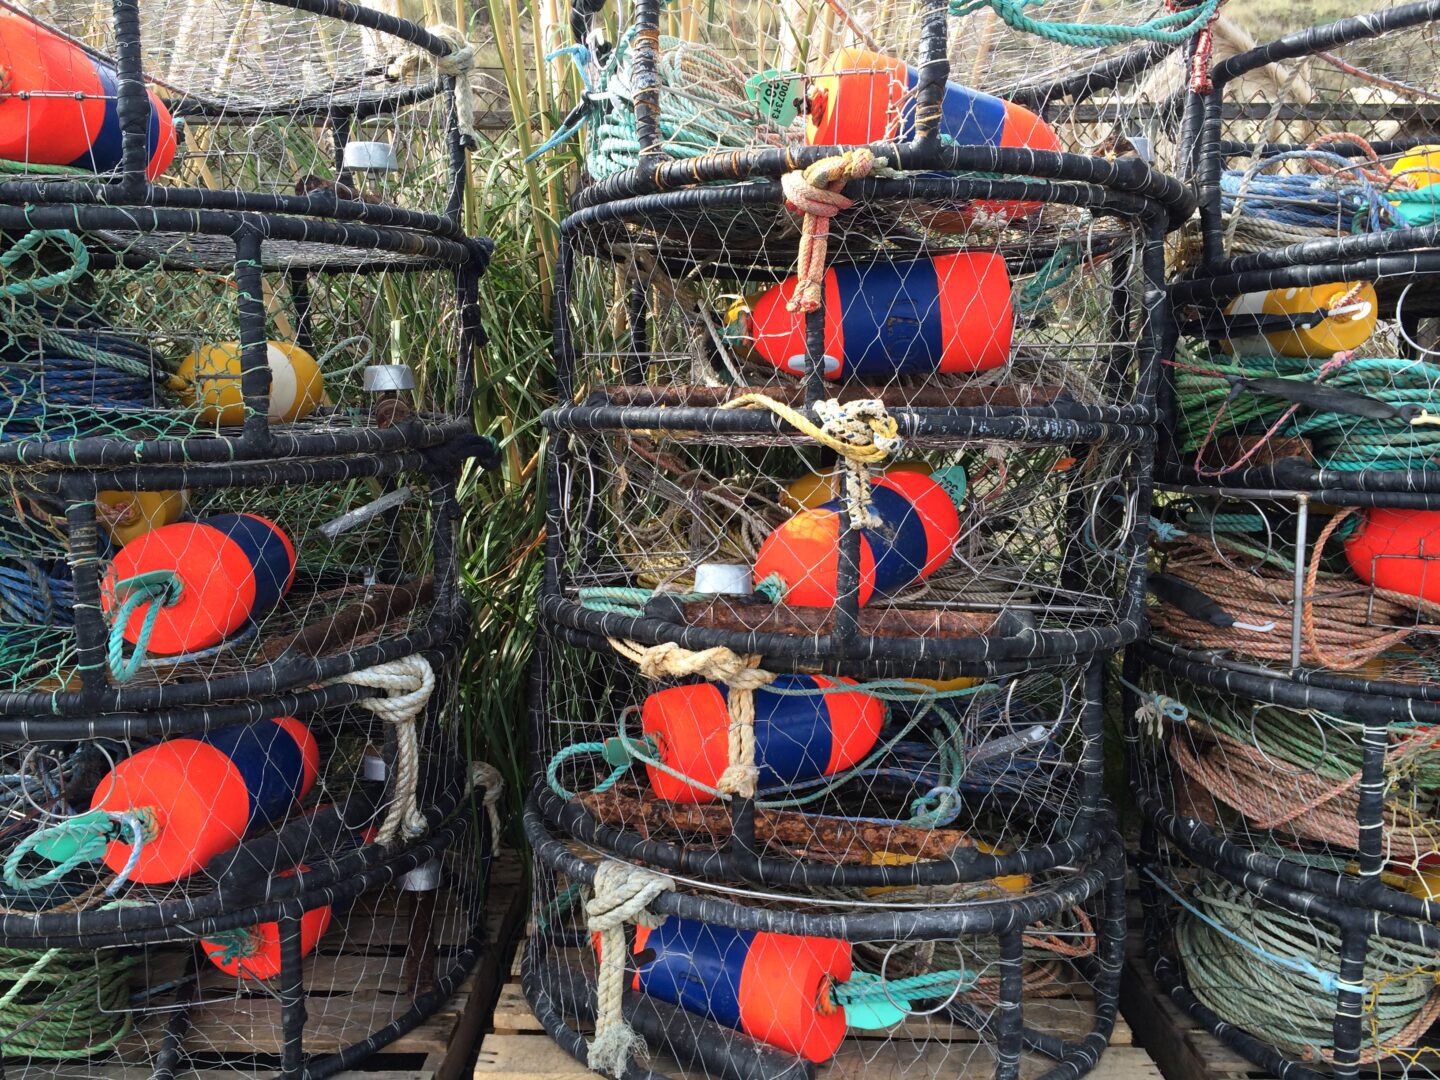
(354, 986)
(1181, 1048)
(518, 1049)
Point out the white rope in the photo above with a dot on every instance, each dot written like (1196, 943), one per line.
(457, 64)
(409, 682)
(864, 422)
(487, 776)
(621, 893)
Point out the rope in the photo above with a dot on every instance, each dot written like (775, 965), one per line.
(79, 839)
(862, 432)
(741, 675)
(456, 64)
(1173, 28)
(1263, 969)
(409, 683)
(28, 244)
(158, 589)
(815, 192)
(64, 1004)
(621, 893)
(487, 776)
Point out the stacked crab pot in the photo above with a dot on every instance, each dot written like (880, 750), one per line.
(1283, 742)
(227, 550)
(848, 488)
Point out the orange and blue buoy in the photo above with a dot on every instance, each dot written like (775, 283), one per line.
(202, 795)
(60, 106)
(800, 733)
(950, 313)
(863, 97)
(774, 987)
(1398, 550)
(253, 952)
(919, 527)
(228, 569)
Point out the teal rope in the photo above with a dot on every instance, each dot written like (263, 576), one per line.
(1034, 294)
(159, 589)
(1173, 28)
(86, 836)
(624, 600)
(899, 991)
(236, 944)
(27, 244)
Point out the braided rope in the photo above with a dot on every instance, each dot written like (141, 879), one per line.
(741, 675)
(408, 683)
(622, 893)
(815, 193)
(456, 64)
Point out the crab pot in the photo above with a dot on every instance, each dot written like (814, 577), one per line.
(732, 988)
(963, 779)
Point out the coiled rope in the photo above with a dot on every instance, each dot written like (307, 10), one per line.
(1263, 969)
(64, 1004)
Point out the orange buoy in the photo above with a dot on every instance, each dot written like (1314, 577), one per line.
(204, 794)
(1398, 550)
(60, 106)
(950, 313)
(919, 526)
(230, 568)
(774, 987)
(253, 952)
(798, 735)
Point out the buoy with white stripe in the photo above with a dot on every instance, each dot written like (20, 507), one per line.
(1337, 317)
(222, 571)
(60, 106)
(209, 379)
(947, 314)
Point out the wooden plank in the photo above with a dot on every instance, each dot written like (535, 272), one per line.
(1182, 1049)
(536, 1057)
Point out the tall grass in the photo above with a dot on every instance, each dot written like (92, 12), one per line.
(519, 205)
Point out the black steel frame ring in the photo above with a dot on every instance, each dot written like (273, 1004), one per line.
(1409, 489)
(925, 152)
(1364, 889)
(882, 923)
(286, 673)
(858, 669)
(331, 882)
(1366, 267)
(1203, 120)
(1102, 878)
(1085, 826)
(1355, 924)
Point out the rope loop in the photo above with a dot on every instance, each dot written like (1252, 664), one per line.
(158, 589)
(457, 64)
(814, 192)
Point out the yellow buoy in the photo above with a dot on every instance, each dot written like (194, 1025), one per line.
(1425, 884)
(209, 378)
(962, 683)
(128, 514)
(1421, 166)
(1350, 312)
(814, 490)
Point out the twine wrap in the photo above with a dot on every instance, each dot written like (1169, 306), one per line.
(622, 893)
(408, 682)
(741, 675)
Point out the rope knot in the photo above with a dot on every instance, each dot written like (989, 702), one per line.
(621, 893)
(742, 675)
(457, 64)
(487, 776)
(815, 193)
(408, 682)
(865, 425)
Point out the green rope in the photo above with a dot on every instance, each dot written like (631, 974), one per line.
(27, 244)
(64, 1004)
(1173, 28)
(1034, 294)
(1340, 442)
(157, 588)
(1263, 969)
(236, 944)
(931, 984)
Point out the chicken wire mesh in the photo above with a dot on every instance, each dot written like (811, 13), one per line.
(934, 980)
(930, 781)
(1330, 594)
